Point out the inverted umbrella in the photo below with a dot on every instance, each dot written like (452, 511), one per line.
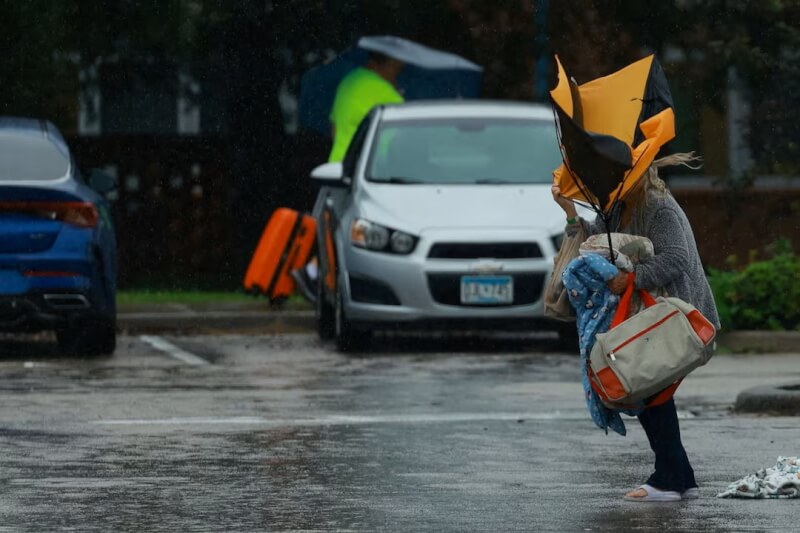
(428, 74)
(611, 129)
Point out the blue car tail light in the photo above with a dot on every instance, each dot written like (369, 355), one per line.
(81, 214)
(49, 274)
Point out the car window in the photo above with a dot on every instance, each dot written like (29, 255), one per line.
(356, 144)
(458, 151)
(30, 158)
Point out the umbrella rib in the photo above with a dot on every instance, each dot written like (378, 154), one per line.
(614, 205)
(606, 218)
(622, 183)
(595, 208)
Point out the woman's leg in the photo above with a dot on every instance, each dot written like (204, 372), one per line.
(673, 471)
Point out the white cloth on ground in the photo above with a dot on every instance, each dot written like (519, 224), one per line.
(781, 481)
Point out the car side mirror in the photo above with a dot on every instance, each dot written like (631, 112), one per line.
(331, 175)
(100, 181)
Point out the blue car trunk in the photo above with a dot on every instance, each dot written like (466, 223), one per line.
(24, 234)
(27, 218)
(30, 226)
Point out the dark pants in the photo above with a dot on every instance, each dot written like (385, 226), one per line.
(673, 471)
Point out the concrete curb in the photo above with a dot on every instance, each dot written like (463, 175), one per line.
(217, 322)
(185, 319)
(783, 400)
(760, 341)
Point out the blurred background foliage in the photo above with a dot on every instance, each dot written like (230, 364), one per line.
(763, 294)
(258, 47)
(241, 62)
(252, 50)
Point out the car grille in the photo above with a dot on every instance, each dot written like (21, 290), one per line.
(485, 250)
(446, 289)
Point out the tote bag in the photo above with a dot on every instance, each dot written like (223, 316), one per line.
(556, 301)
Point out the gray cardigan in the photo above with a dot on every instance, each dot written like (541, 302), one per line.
(676, 264)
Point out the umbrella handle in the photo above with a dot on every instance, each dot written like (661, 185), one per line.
(610, 245)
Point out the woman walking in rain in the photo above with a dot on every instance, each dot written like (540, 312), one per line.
(650, 211)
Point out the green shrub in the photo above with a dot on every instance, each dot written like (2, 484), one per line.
(764, 295)
(722, 286)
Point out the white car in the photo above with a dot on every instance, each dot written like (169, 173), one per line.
(440, 215)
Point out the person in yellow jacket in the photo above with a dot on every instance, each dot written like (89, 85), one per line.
(358, 92)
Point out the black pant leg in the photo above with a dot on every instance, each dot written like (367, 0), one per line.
(673, 471)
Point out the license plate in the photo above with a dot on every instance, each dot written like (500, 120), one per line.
(487, 290)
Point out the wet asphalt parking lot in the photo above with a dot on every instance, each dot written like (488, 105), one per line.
(281, 433)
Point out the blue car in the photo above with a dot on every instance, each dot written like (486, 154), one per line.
(58, 263)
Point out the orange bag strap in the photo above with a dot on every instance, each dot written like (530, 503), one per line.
(664, 395)
(647, 298)
(659, 399)
(624, 307)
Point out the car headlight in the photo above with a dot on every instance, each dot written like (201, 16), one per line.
(402, 243)
(557, 241)
(366, 234)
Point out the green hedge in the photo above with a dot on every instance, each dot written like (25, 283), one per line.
(764, 295)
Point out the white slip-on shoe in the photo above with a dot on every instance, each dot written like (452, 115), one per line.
(654, 495)
(691, 494)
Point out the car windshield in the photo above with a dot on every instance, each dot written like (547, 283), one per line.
(30, 158)
(465, 151)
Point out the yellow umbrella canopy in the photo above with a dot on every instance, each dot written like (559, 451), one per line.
(611, 129)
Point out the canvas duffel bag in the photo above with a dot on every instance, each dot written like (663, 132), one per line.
(644, 357)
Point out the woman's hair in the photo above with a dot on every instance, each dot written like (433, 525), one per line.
(652, 181)
(652, 185)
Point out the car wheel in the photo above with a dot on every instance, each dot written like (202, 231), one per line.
(568, 338)
(91, 338)
(349, 337)
(325, 314)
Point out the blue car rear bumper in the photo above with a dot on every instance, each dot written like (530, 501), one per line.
(53, 289)
(43, 302)
(36, 312)
(15, 283)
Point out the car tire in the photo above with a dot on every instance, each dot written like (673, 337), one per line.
(325, 314)
(92, 338)
(349, 337)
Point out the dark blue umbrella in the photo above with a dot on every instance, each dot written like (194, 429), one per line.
(428, 74)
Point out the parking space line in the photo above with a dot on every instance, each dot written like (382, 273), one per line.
(360, 420)
(170, 349)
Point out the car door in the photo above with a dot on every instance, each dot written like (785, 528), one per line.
(336, 201)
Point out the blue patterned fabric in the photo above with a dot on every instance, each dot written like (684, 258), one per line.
(585, 279)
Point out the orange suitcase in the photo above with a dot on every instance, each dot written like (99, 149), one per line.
(285, 245)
